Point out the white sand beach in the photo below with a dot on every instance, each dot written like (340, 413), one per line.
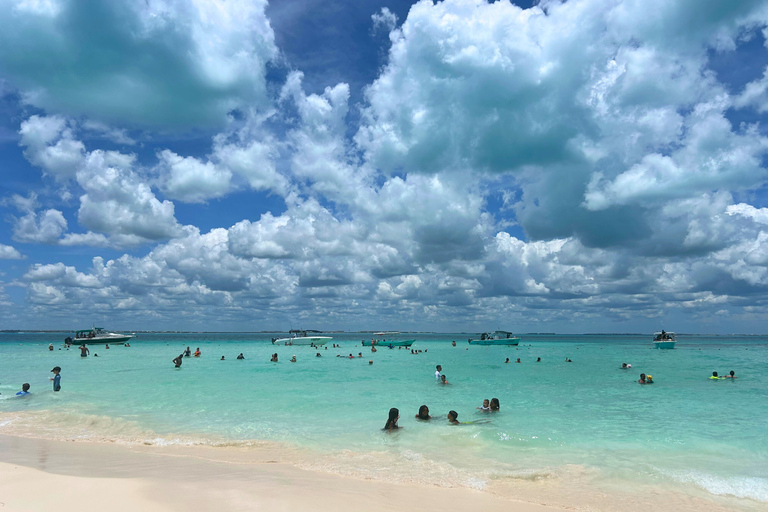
(40, 475)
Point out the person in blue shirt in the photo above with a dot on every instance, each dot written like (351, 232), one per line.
(24, 390)
(56, 378)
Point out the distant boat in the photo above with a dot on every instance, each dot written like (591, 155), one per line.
(664, 339)
(97, 335)
(496, 338)
(299, 337)
(387, 343)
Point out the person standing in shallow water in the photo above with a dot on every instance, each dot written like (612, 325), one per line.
(178, 360)
(394, 415)
(84, 351)
(56, 378)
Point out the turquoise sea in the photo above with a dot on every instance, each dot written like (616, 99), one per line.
(572, 431)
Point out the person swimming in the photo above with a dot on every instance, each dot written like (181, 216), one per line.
(197, 352)
(495, 405)
(293, 359)
(518, 360)
(274, 358)
(222, 358)
(486, 407)
(732, 375)
(624, 366)
(642, 379)
(423, 413)
(394, 415)
(453, 417)
(507, 360)
(444, 379)
(24, 390)
(538, 359)
(187, 352)
(318, 355)
(568, 360)
(714, 376)
(241, 356)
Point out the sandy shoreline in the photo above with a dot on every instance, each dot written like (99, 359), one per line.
(38, 474)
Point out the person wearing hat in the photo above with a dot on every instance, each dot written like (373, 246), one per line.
(56, 378)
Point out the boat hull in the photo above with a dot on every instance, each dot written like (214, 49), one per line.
(403, 343)
(664, 344)
(301, 341)
(509, 342)
(102, 340)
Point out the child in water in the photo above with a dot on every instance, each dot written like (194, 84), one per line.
(453, 417)
(486, 407)
(394, 415)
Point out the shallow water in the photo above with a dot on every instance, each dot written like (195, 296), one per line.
(585, 423)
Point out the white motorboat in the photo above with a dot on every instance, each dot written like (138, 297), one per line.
(496, 338)
(301, 337)
(97, 335)
(664, 339)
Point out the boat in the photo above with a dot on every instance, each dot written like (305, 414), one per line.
(96, 335)
(388, 338)
(664, 339)
(389, 343)
(496, 338)
(301, 337)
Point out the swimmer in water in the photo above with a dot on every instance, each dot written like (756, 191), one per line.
(24, 390)
(623, 366)
(293, 359)
(84, 351)
(444, 380)
(127, 344)
(373, 349)
(50, 347)
(453, 417)
(274, 358)
(731, 376)
(106, 346)
(222, 358)
(714, 376)
(567, 360)
(486, 407)
(177, 360)
(351, 356)
(642, 379)
(197, 352)
(318, 355)
(241, 356)
(359, 354)
(423, 413)
(438, 369)
(187, 352)
(507, 360)
(453, 343)
(495, 405)
(538, 359)
(518, 360)
(394, 415)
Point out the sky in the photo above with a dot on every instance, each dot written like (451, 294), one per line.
(463, 165)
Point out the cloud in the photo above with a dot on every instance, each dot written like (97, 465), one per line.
(8, 252)
(43, 227)
(190, 180)
(384, 19)
(49, 144)
(181, 63)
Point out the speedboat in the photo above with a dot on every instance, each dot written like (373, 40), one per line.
(496, 338)
(389, 343)
(96, 335)
(299, 337)
(664, 339)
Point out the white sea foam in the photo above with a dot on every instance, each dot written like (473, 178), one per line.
(752, 488)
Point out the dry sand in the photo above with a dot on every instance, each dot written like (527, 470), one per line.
(38, 475)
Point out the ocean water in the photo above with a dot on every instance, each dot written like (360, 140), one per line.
(573, 431)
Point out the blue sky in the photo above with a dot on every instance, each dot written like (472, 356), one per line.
(580, 166)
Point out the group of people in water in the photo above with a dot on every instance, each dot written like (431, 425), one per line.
(452, 416)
